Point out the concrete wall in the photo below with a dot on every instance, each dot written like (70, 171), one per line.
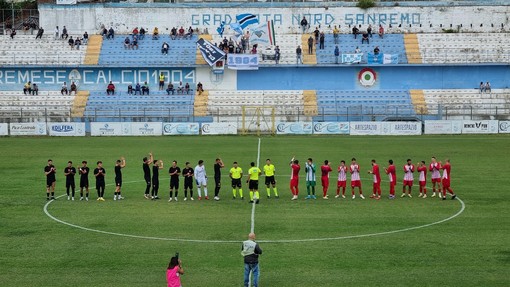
(388, 77)
(90, 17)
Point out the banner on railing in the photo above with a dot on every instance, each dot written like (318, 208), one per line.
(146, 129)
(66, 2)
(243, 61)
(28, 129)
(480, 127)
(352, 58)
(181, 128)
(504, 127)
(443, 127)
(331, 128)
(109, 129)
(382, 58)
(296, 128)
(401, 128)
(365, 128)
(4, 129)
(219, 129)
(66, 129)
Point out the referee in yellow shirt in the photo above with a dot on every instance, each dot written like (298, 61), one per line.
(253, 182)
(269, 173)
(236, 173)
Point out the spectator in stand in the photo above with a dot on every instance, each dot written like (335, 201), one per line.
(173, 33)
(135, 32)
(138, 89)
(40, 32)
(142, 33)
(145, 88)
(161, 81)
(200, 88)
(337, 54)
(254, 49)
(304, 24)
(365, 38)
(231, 46)
(35, 90)
(155, 33)
(225, 42)
(85, 38)
(74, 88)
(13, 33)
(488, 87)
(247, 37)
(376, 50)
(130, 89)
(310, 45)
(127, 43)
(26, 27)
(482, 87)
(64, 33)
(110, 89)
(111, 34)
(369, 30)
(316, 34)
(170, 88)
(104, 33)
(135, 42)
(27, 88)
(355, 32)
(277, 54)
(299, 55)
(321, 41)
(357, 51)
(336, 34)
(56, 33)
(180, 89)
(77, 43)
(243, 44)
(186, 88)
(71, 42)
(190, 33)
(381, 31)
(181, 32)
(164, 48)
(64, 90)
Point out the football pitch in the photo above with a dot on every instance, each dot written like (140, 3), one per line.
(335, 242)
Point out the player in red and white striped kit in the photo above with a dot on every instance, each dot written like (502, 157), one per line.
(446, 179)
(376, 190)
(342, 179)
(408, 178)
(392, 174)
(422, 171)
(434, 168)
(355, 178)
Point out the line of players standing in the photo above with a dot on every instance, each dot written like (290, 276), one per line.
(438, 182)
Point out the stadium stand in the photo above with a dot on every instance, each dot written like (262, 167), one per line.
(181, 52)
(451, 48)
(15, 106)
(461, 102)
(355, 105)
(156, 106)
(390, 44)
(26, 50)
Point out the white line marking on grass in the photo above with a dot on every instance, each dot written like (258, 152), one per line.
(463, 206)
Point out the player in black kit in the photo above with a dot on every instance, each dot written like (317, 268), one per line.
(187, 173)
(99, 173)
(69, 172)
(119, 165)
(84, 179)
(158, 164)
(174, 172)
(49, 171)
(217, 177)
(147, 174)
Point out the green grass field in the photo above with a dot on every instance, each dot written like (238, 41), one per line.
(471, 249)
